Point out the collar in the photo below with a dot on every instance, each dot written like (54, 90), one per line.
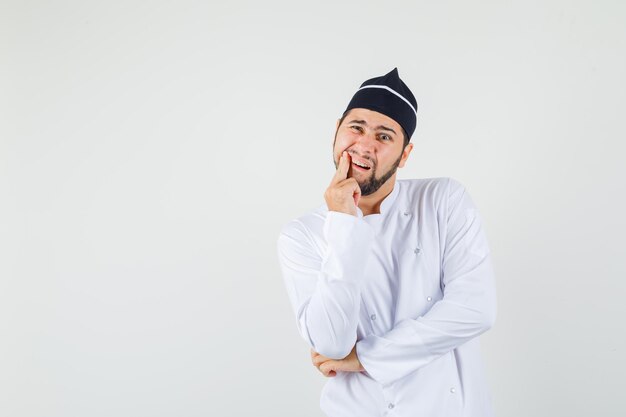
(385, 205)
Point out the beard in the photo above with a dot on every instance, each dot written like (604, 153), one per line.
(371, 184)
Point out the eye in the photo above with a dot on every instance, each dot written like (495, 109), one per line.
(357, 128)
(386, 137)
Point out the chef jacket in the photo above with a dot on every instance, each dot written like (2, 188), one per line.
(412, 286)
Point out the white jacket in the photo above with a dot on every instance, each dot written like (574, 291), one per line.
(412, 286)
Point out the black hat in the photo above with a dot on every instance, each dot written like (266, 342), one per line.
(390, 96)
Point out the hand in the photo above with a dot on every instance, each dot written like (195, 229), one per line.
(343, 193)
(329, 367)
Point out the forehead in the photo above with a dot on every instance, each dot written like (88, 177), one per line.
(372, 118)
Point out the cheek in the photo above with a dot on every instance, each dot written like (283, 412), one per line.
(342, 144)
(345, 141)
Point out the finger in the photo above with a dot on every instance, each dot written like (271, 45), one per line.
(328, 368)
(320, 359)
(356, 193)
(342, 168)
(353, 186)
(350, 172)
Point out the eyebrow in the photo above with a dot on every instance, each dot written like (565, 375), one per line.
(381, 127)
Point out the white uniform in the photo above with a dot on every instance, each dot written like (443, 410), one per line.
(413, 287)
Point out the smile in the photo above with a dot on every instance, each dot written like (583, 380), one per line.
(359, 167)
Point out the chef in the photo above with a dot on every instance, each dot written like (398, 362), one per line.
(391, 280)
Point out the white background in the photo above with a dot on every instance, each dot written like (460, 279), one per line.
(151, 150)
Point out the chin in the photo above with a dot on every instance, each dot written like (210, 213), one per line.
(364, 182)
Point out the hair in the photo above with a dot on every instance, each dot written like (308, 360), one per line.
(404, 135)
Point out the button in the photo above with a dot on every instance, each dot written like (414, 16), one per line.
(390, 406)
(406, 213)
(416, 250)
(452, 390)
(373, 316)
(429, 298)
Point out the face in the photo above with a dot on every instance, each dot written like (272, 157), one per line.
(375, 140)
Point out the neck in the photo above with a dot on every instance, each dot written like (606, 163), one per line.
(370, 204)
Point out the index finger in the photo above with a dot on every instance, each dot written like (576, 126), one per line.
(342, 168)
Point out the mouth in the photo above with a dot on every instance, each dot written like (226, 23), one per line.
(360, 165)
(359, 168)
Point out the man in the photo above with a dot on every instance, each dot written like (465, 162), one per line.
(391, 281)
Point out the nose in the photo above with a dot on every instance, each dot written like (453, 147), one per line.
(366, 143)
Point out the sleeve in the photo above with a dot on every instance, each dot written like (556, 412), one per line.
(325, 291)
(466, 310)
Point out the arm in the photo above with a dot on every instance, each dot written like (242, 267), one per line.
(325, 291)
(467, 309)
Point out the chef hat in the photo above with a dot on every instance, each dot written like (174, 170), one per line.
(390, 96)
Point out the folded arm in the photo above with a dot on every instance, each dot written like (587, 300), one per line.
(325, 290)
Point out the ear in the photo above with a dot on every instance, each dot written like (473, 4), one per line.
(405, 154)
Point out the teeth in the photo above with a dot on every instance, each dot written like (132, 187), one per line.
(361, 165)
